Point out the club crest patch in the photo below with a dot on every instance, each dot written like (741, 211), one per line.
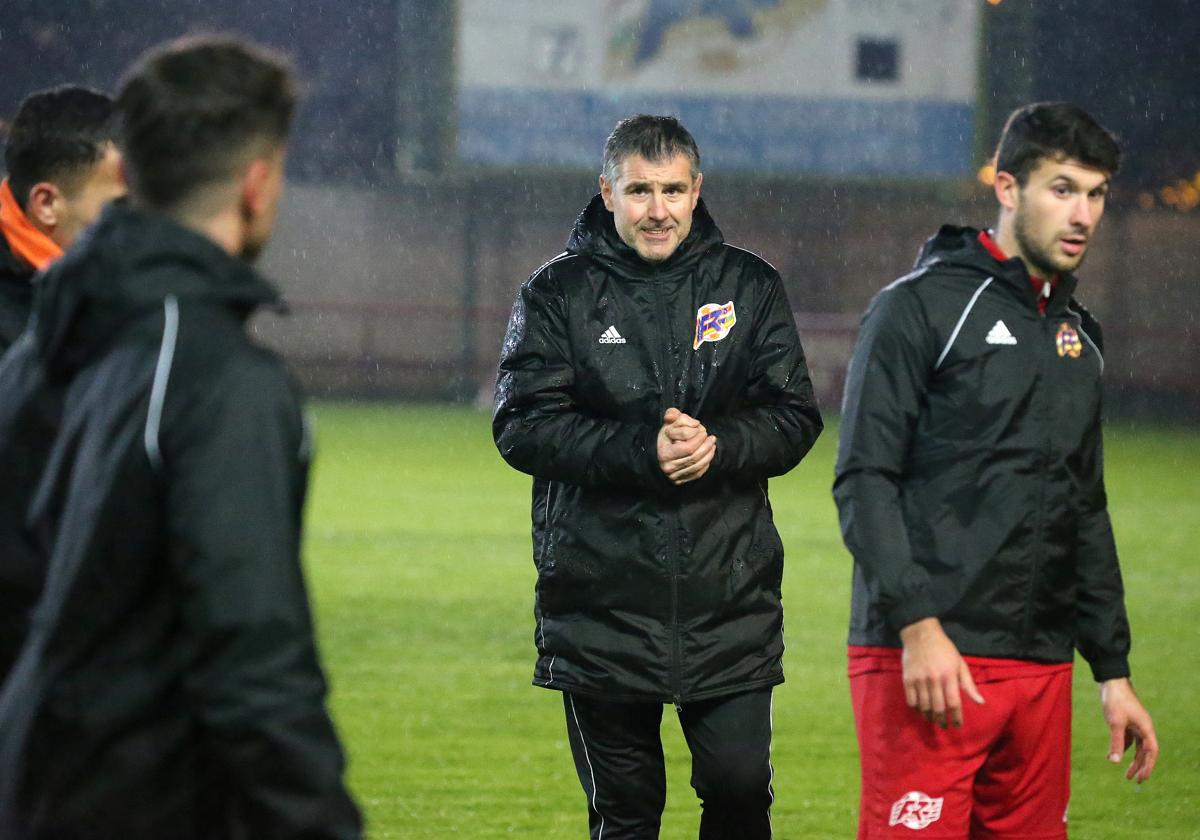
(1068, 342)
(713, 322)
(916, 810)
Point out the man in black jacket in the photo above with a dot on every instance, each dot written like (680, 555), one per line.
(971, 492)
(651, 382)
(62, 169)
(170, 686)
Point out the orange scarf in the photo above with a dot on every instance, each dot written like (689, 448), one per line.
(25, 241)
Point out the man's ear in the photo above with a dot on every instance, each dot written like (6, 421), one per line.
(44, 206)
(606, 192)
(253, 187)
(1006, 188)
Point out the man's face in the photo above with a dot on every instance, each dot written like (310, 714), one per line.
(261, 211)
(102, 183)
(652, 203)
(1056, 214)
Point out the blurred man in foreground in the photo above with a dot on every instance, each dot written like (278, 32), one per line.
(970, 485)
(170, 685)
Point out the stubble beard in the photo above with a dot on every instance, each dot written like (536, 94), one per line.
(1041, 261)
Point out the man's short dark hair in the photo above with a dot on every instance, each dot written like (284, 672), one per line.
(1054, 130)
(194, 110)
(655, 138)
(56, 136)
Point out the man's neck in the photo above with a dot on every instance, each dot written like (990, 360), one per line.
(1005, 238)
(222, 227)
(1042, 286)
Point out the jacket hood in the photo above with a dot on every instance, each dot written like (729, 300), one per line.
(595, 235)
(125, 266)
(960, 247)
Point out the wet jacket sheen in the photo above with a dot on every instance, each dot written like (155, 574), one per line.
(648, 591)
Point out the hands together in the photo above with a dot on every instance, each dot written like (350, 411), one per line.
(685, 448)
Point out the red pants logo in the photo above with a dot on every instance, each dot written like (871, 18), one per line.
(916, 810)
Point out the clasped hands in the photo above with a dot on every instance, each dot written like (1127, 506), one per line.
(685, 448)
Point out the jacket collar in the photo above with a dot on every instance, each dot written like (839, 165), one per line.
(955, 246)
(25, 242)
(125, 265)
(595, 236)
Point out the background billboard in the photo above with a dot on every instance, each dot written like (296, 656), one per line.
(840, 87)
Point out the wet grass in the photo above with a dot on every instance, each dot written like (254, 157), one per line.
(419, 561)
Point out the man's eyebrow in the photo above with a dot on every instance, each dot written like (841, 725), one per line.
(645, 182)
(1074, 184)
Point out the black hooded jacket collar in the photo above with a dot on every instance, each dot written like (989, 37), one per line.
(960, 247)
(126, 265)
(595, 236)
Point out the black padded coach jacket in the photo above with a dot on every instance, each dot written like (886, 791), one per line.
(169, 686)
(969, 473)
(647, 591)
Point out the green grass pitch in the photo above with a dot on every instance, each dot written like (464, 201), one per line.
(418, 555)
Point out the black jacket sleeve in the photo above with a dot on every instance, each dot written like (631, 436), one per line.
(1101, 624)
(234, 483)
(537, 424)
(777, 422)
(29, 414)
(892, 360)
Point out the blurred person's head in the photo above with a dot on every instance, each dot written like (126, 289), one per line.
(204, 125)
(1053, 163)
(651, 183)
(62, 164)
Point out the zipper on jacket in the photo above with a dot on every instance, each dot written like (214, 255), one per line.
(1043, 424)
(669, 398)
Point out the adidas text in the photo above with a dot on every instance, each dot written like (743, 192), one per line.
(611, 336)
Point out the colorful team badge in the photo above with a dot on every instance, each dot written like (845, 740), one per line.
(1068, 341)
(713, 322)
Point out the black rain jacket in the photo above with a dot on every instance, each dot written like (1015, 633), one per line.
(169, 687)
(21, 566)
(647, 591)
(16, 295)
(970, 479)
(30, 409)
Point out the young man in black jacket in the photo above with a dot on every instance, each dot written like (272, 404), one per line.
(62, 169)
(170, 686)
(651, 382)
(971, 492)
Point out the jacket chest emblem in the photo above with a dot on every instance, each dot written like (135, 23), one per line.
(713, 322)
(1067, 341)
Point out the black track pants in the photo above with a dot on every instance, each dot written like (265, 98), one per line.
(618, 755)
